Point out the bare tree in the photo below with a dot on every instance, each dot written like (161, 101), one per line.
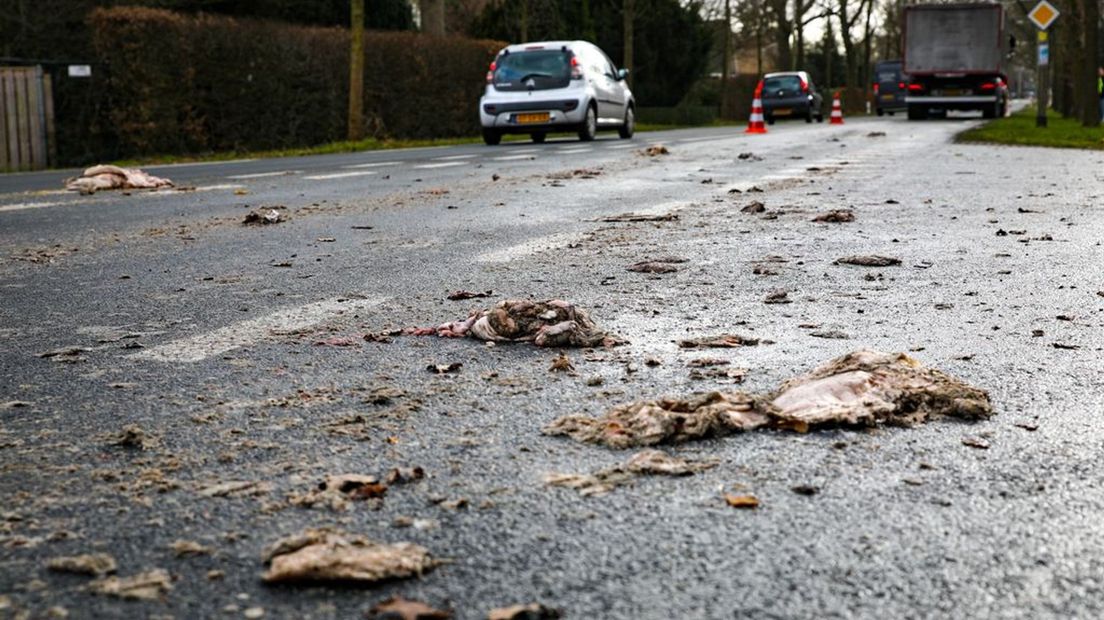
(848, 13)
(433, 16)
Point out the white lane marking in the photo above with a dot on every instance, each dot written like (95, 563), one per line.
(528, 248)
(375, 164)
(513, 157)
(201, 163)
(622, 146)
(202, 346)
(29, 205)
(340, 175)
(111, 193)
(451, 157)
(576, 150)
(261, 175)
(704, 139)
(442, 165)
(519, 151)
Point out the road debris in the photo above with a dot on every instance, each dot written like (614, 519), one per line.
(872, 260)
(133, 436)
(532, 611)
(337, 492)
(444, 369)
(658, 265)
(778, 296)
(876, 134)
(95, 564)
(330, 555)
(404, 475)
(754, 207)
(107, 177)
(863, 388)
(15, 404)
(741, 501)
(65, 354)
(646, 462)
(265, 216)
(975, 442)
(187, 548)
(561, 363)
(639, 217)
(151, 585)
(398, 608)
(653, 151)
(832, 334)
(748, 156)
(458, 295)
(724, 341)
(836, 216)
(807, 490)
(235, 488)
(552, 323)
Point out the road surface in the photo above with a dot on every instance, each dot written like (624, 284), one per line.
(238, 352)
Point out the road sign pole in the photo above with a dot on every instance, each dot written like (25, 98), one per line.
(1043, 15)
(1042, 86)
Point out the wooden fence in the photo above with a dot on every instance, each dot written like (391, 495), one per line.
(26, 119)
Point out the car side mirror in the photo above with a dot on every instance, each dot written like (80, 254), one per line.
(622, 74)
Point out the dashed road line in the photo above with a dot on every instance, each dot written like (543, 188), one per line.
(374, 164)
(622, 146)
(445, 164)
(203, 346)
(513, 157)
(452, 157)
(340, 175)
(21, 206)
(528, 248)
(30, 205)
(262, 175)
(576, 150)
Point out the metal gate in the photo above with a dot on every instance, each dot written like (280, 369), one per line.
(26, 119)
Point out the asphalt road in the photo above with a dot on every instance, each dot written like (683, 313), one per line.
(210, 337)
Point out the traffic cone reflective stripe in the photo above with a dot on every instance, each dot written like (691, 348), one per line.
(837, 111)
(755, 121)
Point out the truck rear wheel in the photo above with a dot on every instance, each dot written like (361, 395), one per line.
(917, 113)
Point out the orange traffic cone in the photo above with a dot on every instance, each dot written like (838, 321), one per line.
(755, 121)
(837, 111)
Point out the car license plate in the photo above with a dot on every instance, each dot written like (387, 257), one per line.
(887, 97)
(782, 111)
(526, 119)
(952, 92)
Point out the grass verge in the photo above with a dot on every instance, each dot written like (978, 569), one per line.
(1019, 129)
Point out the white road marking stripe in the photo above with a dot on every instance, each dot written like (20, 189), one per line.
(449, 157)
(261, 175)
(576, 150)
(29, 205)
(513, 157)
(528, 248)
(519, 151)
(110, 193)
(340, 175)
(442, 165)
(622, 146)
(201, 163)
(375, 164)
(245, 333)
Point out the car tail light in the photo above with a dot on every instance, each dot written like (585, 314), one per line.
(804, 86)
(876, 88)
(490, 73)
(901, 85)
(576, 69)
(989, 86)
(916, 88)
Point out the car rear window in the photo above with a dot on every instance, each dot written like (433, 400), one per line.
(785, 82)
(889, 74)
(536, 70)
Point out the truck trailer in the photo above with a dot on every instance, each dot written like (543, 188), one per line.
(954, 56)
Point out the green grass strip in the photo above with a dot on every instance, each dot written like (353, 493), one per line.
(1019, 129)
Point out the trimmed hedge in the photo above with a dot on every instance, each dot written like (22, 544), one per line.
(197, 83)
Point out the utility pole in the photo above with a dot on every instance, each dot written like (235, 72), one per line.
(356, 71)
(727, 54)
(628, 10)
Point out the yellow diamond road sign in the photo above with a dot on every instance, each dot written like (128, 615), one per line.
(1043, 15)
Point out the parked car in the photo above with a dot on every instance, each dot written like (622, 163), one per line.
(792, 94)
(890, 87)
(537, 88)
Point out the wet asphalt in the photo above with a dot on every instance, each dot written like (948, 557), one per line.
(241, 351)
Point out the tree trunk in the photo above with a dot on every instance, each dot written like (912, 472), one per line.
(783, 31)
(726, 53)
(356, 70)
(524, 27)
(628, 10)
(829, 47)
(800, 8)
(1090, 112)
(433, 16)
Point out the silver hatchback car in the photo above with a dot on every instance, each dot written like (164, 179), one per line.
(537, 88)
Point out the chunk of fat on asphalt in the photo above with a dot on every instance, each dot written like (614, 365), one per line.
(209, 344)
